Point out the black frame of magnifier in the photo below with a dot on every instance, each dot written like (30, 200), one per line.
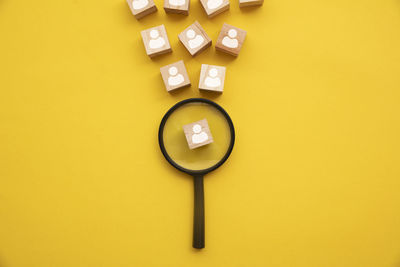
(198, 175)
(161, 140)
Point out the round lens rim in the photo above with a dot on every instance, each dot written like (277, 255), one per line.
(161, 132)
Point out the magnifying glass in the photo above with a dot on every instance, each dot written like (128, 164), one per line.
(199, 161)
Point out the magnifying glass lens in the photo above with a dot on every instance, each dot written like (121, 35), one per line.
(200, 158)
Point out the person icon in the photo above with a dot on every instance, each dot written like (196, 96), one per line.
(212, 79)
(177, 2)
(139, 4)
(230, 40)
(194, 40)
(198, 136)
(175, 78)
(214, 4)
(156, 40)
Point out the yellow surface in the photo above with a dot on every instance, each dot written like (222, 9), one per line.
(313, 180)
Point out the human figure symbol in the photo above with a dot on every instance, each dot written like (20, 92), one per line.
(214, 4)
(194, 40)
(139, 4)
(156, 40)
(198, 136)
(175, 78)
(230, 40)
(212, 79)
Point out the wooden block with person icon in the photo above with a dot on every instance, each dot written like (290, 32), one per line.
(177, 6)
(246, 3)
(195, 39)
(212, 78)
(175, 76)
(156, 41)
(214, 7)
(141, 8)
(230, 40)
(198, 134)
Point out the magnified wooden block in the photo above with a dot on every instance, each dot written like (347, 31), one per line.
(230, 40)
(156, 41)
(212, 78)
(246, 3)
(175, 76)
(141, 8)
(198, 134)
(195, 39)
(214, 7)
(177, 6)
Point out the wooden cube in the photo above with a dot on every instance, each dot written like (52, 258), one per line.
(175, 76)
(177, 6)
(246, 3)
(156, 41)
(141, 8)
(195, 39)
(230, 40)
(212, 78)
(214, 7)
(198, 134)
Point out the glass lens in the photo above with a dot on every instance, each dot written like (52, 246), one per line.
(202, 157)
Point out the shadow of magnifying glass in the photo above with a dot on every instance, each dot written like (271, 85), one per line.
(200, 161)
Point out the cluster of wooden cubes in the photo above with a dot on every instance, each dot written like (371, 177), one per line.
(142, 8)
(195, 40)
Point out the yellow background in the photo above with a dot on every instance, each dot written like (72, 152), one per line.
(313, 180)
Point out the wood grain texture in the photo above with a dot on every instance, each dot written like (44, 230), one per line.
(183, 9)
(246, 3)
(206, 74)
(211, 11)
(199, 31)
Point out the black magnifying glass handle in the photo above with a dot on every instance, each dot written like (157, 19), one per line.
(198, 218)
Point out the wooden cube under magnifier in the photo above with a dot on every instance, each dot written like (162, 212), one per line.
(198, 134)
(246, 3)
(175, 76)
